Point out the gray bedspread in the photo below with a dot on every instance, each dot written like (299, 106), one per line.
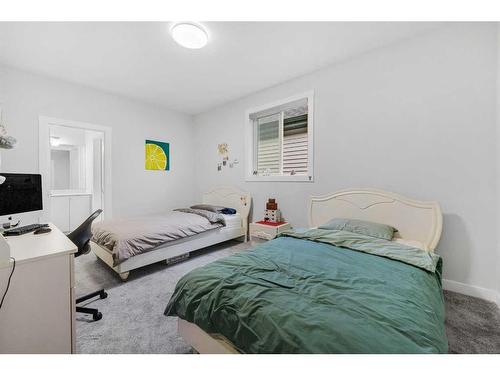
(132, 236)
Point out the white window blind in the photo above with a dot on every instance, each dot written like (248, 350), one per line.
(269, 145)
(282, 143)
(295, 145)
(281, 148)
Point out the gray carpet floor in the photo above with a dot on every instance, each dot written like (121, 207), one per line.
(133, 320)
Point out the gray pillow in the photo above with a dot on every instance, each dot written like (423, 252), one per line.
(367, 228)
(207, 207)
(213, 217)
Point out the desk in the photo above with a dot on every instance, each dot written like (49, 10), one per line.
(38, 314)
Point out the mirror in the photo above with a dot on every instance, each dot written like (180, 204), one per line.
(60, 169)
(67, 159)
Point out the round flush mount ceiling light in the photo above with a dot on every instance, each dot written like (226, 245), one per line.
(189, 35)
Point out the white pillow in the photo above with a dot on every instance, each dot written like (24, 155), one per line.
(411, 243)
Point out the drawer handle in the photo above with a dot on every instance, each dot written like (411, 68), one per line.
(262, 235)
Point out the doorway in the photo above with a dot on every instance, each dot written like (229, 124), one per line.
(75, 164)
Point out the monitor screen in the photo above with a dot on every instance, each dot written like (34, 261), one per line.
(20, 193)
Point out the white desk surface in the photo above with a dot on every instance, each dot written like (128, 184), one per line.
(29, 246)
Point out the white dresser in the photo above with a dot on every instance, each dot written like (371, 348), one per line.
(38, 314)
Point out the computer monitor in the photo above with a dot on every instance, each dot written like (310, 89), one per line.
(20, 193)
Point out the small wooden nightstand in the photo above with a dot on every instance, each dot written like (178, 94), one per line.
(267, 232)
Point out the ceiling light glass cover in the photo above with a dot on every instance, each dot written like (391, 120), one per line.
(189, 35)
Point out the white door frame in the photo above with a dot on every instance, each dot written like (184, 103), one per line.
(44, 123)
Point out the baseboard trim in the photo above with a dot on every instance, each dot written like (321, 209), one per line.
(472, 290)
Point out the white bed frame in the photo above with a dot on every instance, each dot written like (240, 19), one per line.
(226, 196)
(415, 220)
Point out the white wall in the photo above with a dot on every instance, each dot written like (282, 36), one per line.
(417, 118)
(135, 191)
(498, 160)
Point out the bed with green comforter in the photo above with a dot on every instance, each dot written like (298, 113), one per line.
(319, 291)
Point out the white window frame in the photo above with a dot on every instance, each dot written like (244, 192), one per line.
(250, 141)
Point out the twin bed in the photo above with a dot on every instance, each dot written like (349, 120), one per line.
(323, 290)
(128, 244)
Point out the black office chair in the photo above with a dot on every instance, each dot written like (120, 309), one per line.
(81, 238)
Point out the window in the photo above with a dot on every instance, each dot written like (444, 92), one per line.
(279, 141)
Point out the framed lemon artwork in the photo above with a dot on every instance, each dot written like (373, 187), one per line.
(157, 156)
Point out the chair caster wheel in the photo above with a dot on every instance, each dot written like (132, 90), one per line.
(103, 295)
(97, 316)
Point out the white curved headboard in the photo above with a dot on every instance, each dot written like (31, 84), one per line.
(231, 197)
(415, 220)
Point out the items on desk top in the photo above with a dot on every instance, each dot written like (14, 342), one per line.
(42, 230)
(20, 193)
(25, 229)
(9, 225)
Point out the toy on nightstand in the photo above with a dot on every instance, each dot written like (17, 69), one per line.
(272, 225)
(272, 214)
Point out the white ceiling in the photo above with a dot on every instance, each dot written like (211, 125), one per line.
(140, 60)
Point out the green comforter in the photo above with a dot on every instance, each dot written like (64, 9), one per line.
(304, 293)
